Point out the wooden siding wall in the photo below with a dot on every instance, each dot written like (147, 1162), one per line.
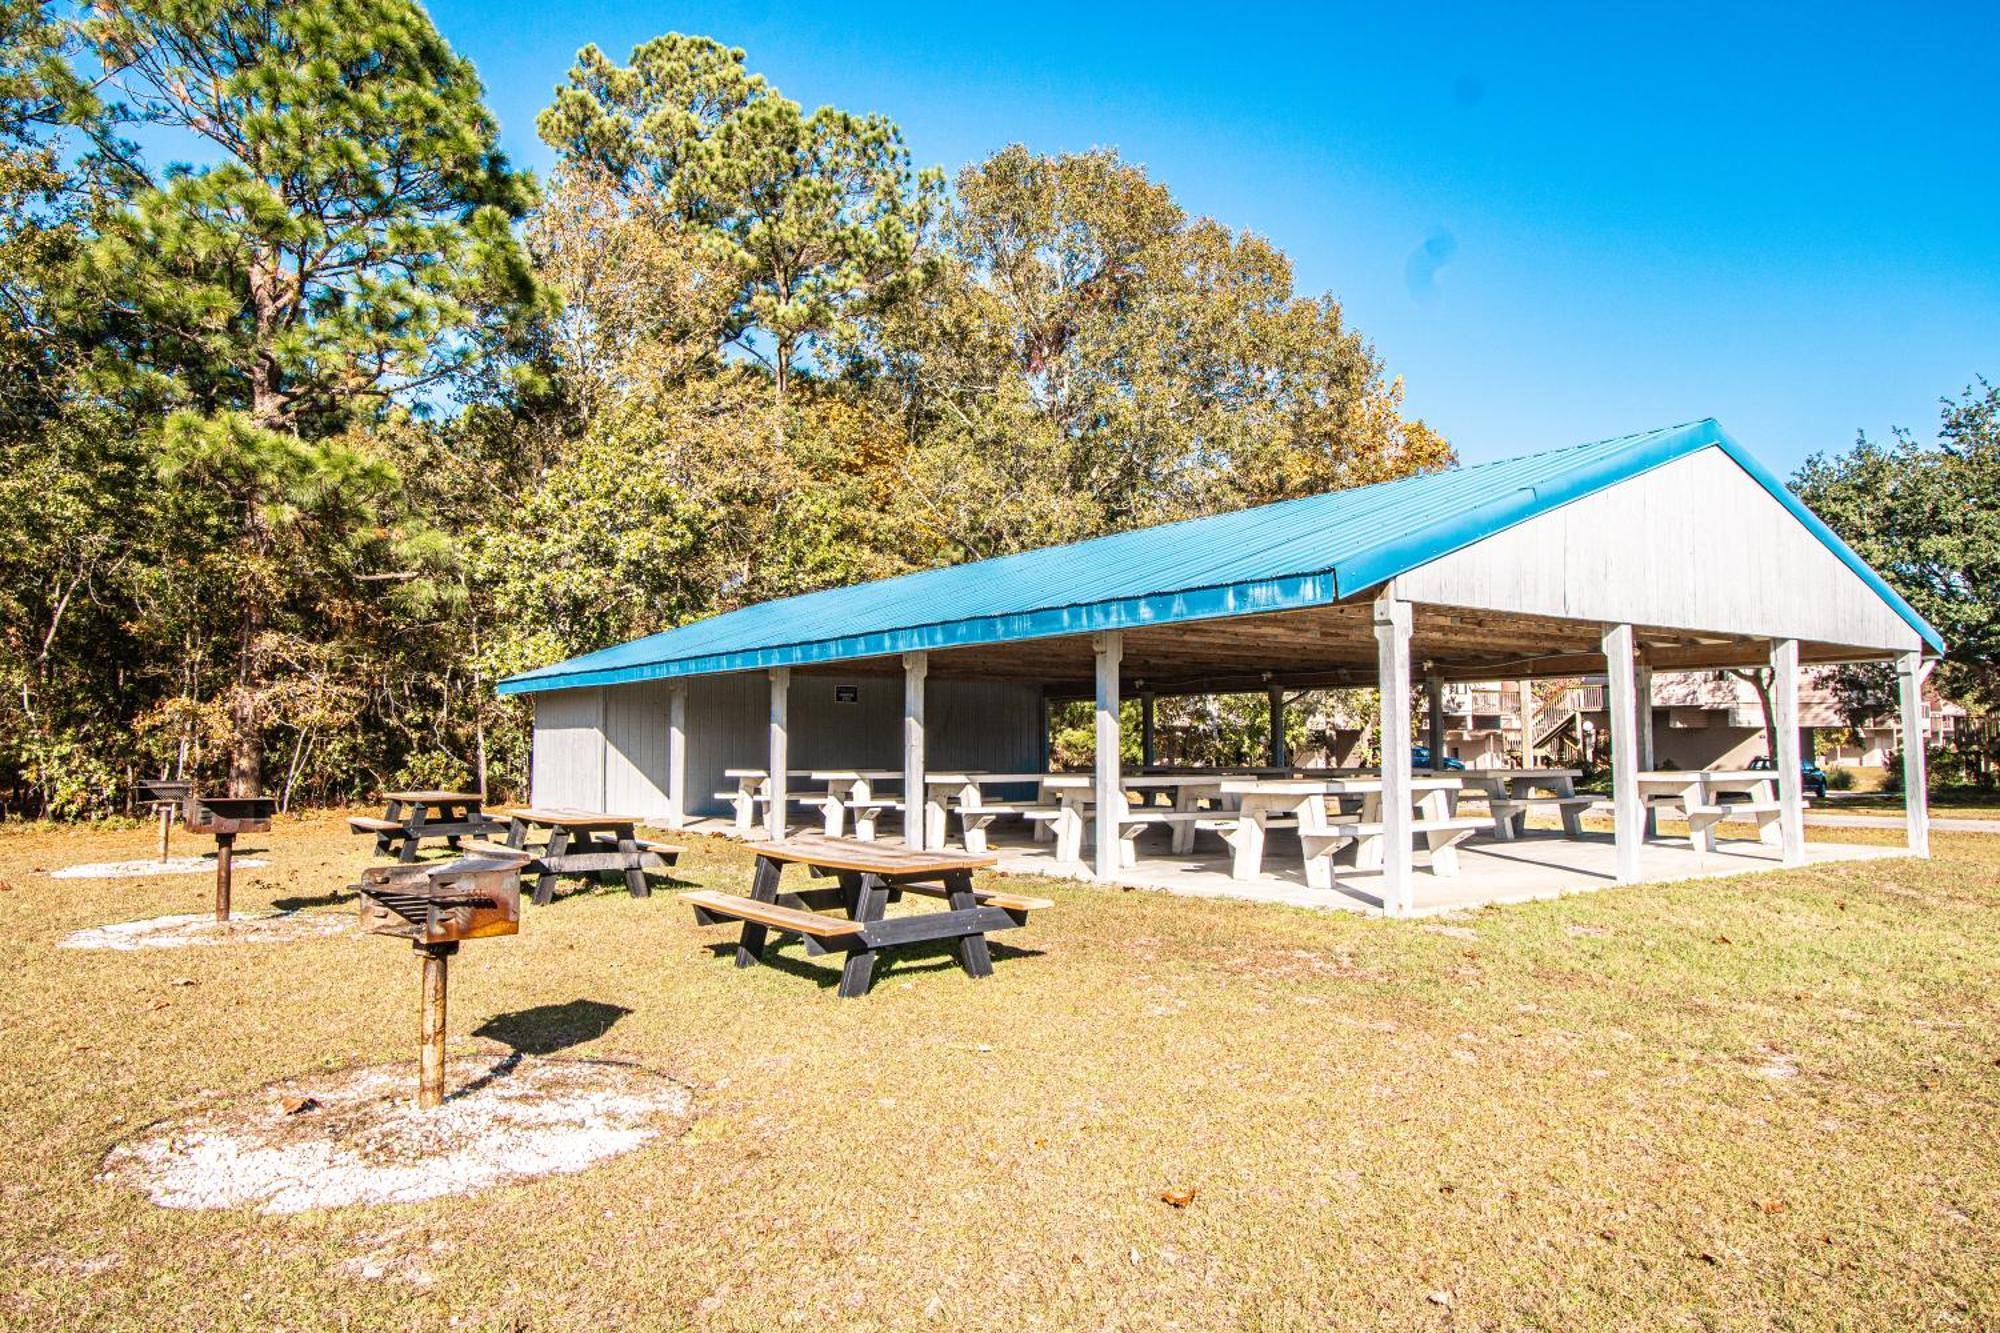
(568, 757)
(1695, 545)
(635, 749)
(621, 762)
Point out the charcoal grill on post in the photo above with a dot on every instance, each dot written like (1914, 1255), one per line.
(164, 798)
(225, 817)
(435, 908)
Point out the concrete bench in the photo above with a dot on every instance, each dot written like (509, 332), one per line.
(1510, 813)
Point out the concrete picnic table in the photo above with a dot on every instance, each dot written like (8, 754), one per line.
(584, 842)
(867, 876)
(1697, 793)
(1077, 792)
(851, 792)
(1510, 792)
(964, 790)
(413, 816)
(752, 785)
(1264, 802)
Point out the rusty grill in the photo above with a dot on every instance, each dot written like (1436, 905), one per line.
(436, 908)
(225, 817)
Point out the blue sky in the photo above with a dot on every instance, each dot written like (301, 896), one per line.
(1555, 227)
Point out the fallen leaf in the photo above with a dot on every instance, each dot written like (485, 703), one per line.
(1841, 905)
(1447, 1189)
(182, 981)
(1440, 1298)
(1722, 939)
(1179, 1198)
(300, 1105)
(1607, 1234)
(6, 887)
(1133, 1255)
(1774, 1206)
(160, 1004)
(1708, 1258)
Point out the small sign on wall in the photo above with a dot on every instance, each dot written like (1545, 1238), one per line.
(847, 694)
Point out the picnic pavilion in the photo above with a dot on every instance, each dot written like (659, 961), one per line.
(1669, 550)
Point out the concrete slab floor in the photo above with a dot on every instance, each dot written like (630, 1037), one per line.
(1540, 864)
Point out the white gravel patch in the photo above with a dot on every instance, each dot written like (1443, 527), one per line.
(201, 929)
(360, 1138)
(173, 865)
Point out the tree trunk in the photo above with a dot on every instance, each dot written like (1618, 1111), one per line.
(267, 412)
(1759, 679)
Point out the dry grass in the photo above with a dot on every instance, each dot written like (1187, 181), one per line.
(1764, 1102)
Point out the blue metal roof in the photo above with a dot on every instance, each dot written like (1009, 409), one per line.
(1296, 553)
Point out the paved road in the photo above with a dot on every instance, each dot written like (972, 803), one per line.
(1830, 819)
(1939, 823)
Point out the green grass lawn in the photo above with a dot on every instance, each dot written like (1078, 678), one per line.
(1751, 1103)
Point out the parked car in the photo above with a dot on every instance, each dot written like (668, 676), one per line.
(1420, 757)
(1814, 775)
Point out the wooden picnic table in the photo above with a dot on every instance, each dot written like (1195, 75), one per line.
(414, 816)
(1698, 793)
(582, 842)
(867, 877)
(1301, 803)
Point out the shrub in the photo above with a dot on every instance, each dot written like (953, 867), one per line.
(1840, 779)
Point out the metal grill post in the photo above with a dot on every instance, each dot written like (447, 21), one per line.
(430, 1052)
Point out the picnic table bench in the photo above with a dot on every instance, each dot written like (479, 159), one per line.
(1511, 793)
(414, 816)
(1703, 797)
(1301, 803)
(867, 877)
(580, 842)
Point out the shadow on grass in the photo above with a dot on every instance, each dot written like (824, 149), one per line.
(331, 898)
(548, 1028)
(824, 970)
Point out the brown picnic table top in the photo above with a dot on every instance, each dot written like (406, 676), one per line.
(434, 797)
(871, 857)
(575, 819)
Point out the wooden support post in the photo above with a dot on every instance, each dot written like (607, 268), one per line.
(225, 854)
(431, 1027)
(1643, 692)
(1621, 699)
(166, 828)
(916, 667)
(1434, 718)
(1392, 669)
(1911, 669)
(1110, 645)
(677, 754)
(1274, 709)
(1148, 751)
(1791, 781)
(781, 690)
(1526, 708)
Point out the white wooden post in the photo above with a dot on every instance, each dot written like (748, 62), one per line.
(1392, 670)
(1622, 701)
(916, 666)
(1110, 793)
(1910, 672)
(1643, 692)
(677, 754)
(1434, 718)
(1791, 782)
(1274, 711)
(1527, 711)
(781, 689)
(1148, 751)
